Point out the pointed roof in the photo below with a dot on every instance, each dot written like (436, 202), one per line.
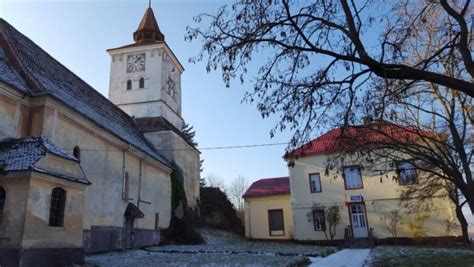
(148, 29)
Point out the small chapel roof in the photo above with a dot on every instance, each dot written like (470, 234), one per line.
(22, 154)
(31, 70)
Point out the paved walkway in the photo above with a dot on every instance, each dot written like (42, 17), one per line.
(344, 258)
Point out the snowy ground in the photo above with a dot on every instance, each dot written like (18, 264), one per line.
(221, 249)
(421, 256)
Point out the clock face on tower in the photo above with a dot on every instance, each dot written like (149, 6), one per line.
(136, 62)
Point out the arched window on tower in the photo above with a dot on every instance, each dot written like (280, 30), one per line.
(56, 210)
(141, 83)
(129, 84)
(76, 152)
(3, 197)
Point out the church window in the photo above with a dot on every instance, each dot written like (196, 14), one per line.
(126, 181)
(76, 152)
(142, 83)
(56, 211)
(129, 85)
(2, 201)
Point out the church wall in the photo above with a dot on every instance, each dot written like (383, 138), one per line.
(142, 110)
(37, 232)
(102, 161)
(184, 156)
(13, 115)
(13, 217)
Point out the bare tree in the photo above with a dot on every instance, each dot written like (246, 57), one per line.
(237, 189)
(403, 63)
(392, 221)
(213, 180)
(318, 57)
(332, 217)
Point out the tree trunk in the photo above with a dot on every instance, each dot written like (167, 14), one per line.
(464, 225)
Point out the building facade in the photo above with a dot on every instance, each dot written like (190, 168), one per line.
(268, 212)
(99, 181)
(368, 203)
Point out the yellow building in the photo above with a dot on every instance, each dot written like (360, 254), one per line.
(369, 203)
(268, 213)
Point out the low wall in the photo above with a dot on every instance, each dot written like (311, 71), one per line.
(41, 257)
(106, 238)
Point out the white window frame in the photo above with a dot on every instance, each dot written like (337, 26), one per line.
(404, 172)
(353, 177)
(320, 220)
(315, 183)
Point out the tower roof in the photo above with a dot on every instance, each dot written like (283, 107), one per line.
(148, 29)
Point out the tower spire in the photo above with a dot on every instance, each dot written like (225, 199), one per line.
(148, 30)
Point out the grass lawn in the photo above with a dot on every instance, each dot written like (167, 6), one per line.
(421, 256)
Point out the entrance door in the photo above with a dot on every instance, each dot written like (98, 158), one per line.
(128, 233)
(359, 220)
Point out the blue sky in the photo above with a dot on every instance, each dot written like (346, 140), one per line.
(77, 33)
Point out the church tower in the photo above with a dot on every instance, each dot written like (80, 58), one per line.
(145, 76)
(145, 82)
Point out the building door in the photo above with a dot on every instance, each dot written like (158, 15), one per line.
(358, 220)
(128, 233)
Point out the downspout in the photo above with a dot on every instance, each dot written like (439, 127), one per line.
(140, 185)
(123, 172)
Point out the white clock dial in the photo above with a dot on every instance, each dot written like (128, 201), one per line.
(136, 62)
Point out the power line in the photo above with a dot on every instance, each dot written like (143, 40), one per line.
(202, 148)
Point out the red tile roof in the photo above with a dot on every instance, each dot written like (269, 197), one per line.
(269, 187)
(356, 137)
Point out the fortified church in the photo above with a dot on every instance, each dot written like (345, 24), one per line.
(82, 173)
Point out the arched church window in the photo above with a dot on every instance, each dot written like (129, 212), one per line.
(3, 196)
(56, 210)
(141, 83)
(129, 85)
(76, 152)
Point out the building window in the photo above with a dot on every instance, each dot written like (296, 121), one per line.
(319, 220)
(275, 222)
(126, 188)
(56, 211)
(352, 177)
(406, 173)
(141, 83)
(129, 84)
(157, 221)
(3, 196)
(315, 182)
(76, 152)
